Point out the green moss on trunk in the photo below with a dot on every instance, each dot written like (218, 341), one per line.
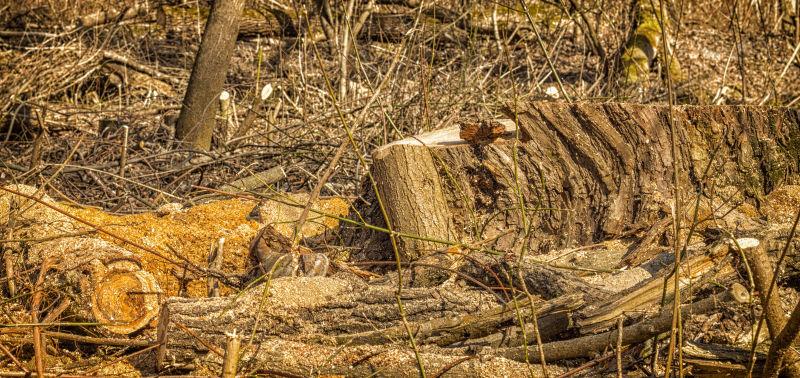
(644, 46)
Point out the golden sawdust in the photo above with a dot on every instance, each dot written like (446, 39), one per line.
(191, 233)
(782, 204)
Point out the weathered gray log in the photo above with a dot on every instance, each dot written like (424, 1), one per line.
(589, 172)
(588, 346)
(447, 331)
(301, 309)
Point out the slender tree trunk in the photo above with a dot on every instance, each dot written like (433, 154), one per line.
(196, 121)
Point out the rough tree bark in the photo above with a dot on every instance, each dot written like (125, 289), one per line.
(310, 310)
(587, 172)
(401, 175)
(196, 120)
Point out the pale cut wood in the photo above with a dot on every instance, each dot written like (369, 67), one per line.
(106, 283)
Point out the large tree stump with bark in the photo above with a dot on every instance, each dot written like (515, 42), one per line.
(577, 174)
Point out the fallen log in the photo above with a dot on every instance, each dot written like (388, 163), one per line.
(447, 331)
(286, 358)
(303, 309)
(588, 346)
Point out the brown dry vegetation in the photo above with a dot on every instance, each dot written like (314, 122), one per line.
(67, 90)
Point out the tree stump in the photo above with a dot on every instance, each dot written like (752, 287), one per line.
(576, 174)
(105, 283)
(418, 206)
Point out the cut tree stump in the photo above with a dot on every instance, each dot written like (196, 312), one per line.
(579, 174)
(418, 206)
(105, 283)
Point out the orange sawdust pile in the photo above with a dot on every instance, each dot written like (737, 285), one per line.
(781, 204)
(191, 233)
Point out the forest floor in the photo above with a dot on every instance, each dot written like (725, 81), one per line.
(88, 116)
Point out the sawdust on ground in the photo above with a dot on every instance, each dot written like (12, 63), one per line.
(782, 204)
(191, 233)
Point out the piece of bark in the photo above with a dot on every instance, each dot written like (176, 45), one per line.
(647, 248)
(587, 346)
(215, 258)
(276, 257)
(255, 181)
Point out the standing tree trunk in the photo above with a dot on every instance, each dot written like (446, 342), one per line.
(196, 121)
